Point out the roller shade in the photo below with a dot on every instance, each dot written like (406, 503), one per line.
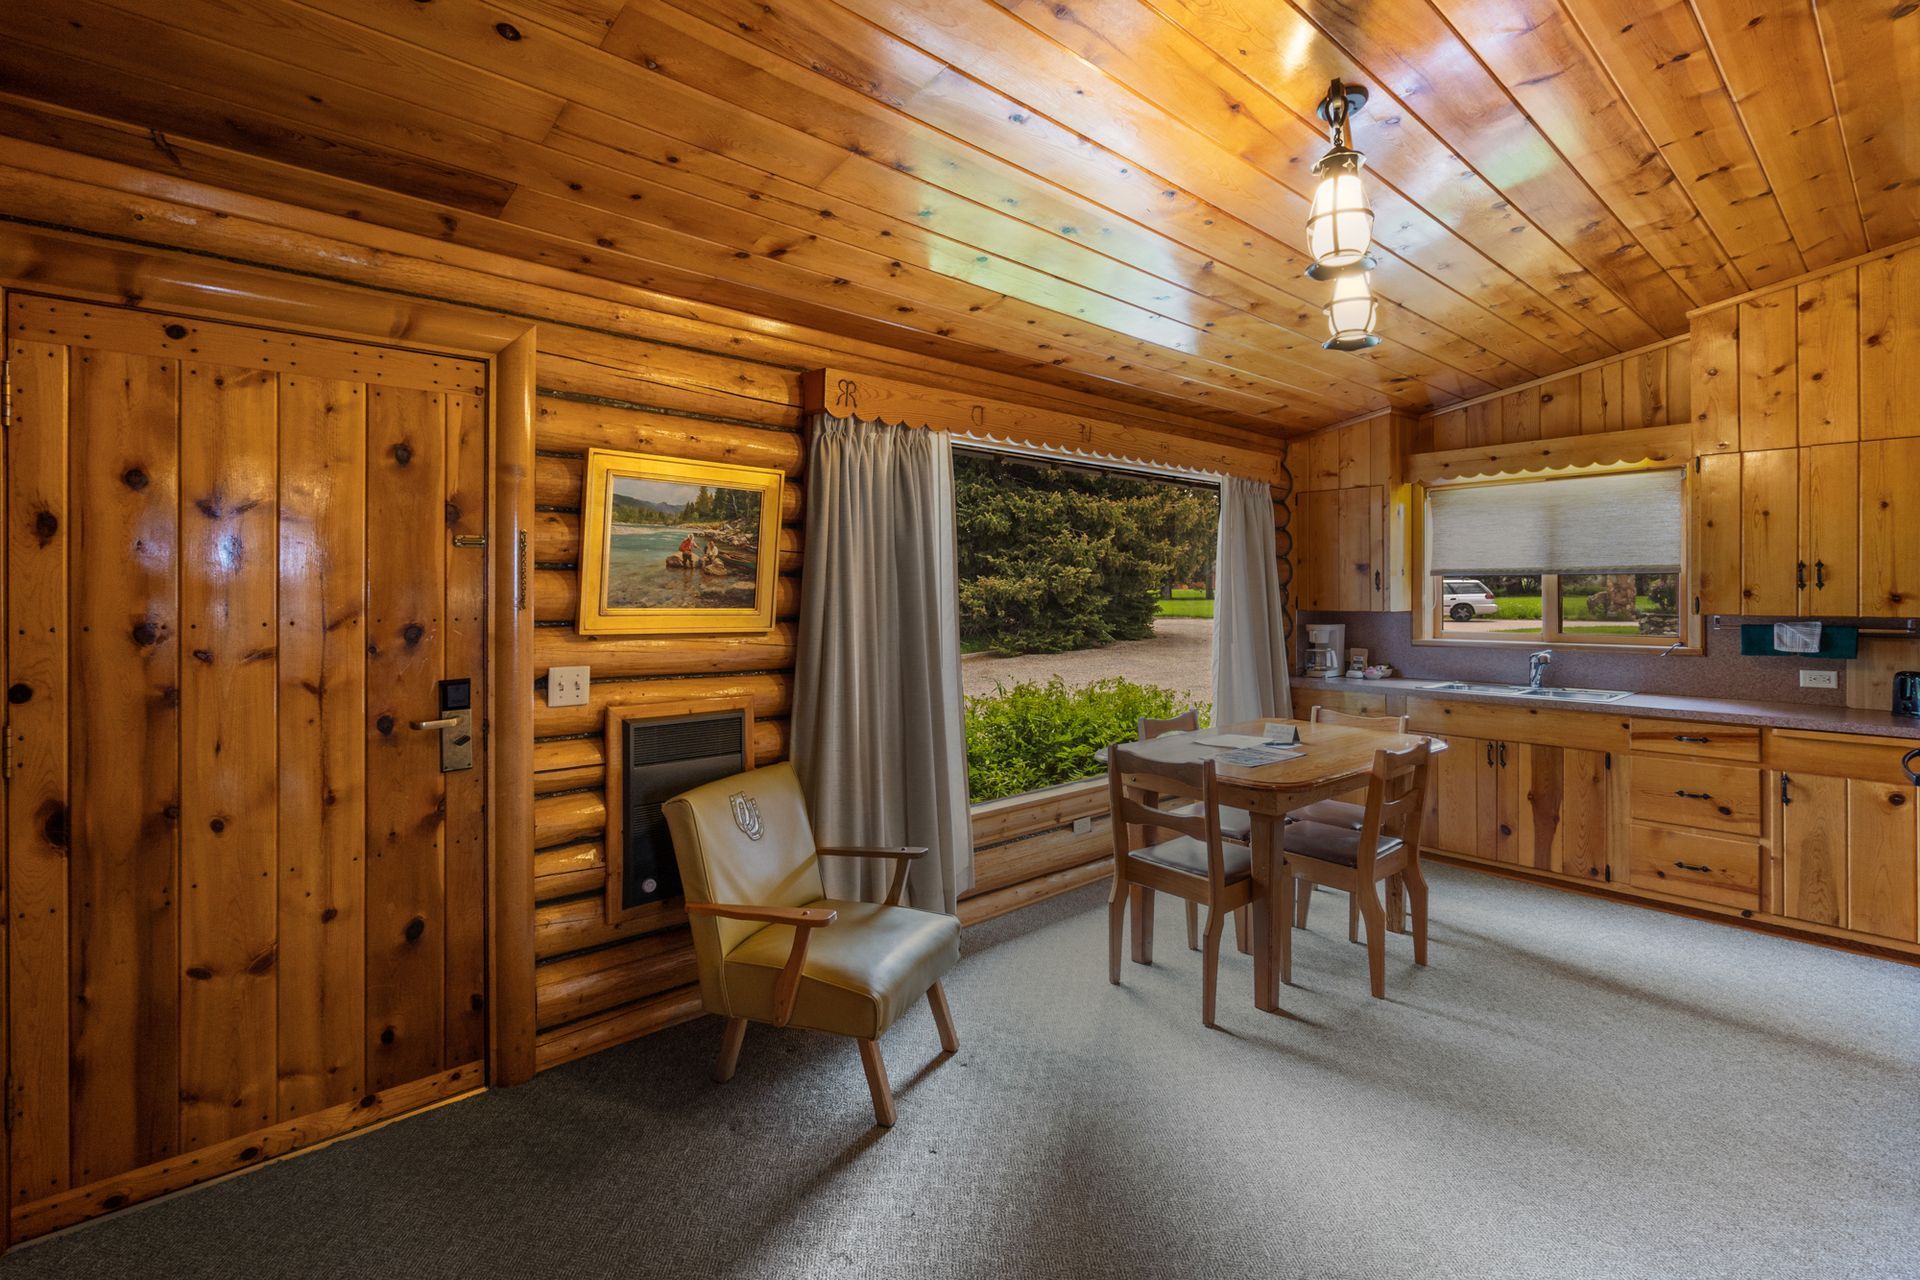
(1584, 524)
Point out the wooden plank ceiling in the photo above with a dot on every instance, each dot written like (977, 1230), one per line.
(1108, 195)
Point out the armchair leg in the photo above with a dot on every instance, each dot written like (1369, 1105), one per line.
(1210, 963)
(1193, 925)
(1243, 930)
(1287, 885)
(877, 1083)
(1142, 925)
(1302, 901)
(1353, 916)
(1368, 897)
(943, 1018)
(729, 1050)
(1116, 927)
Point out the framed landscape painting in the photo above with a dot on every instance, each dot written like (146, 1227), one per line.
(670, 546)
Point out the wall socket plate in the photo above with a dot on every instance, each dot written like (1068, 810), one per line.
(1082, 825)
(1819, 680)
(567, 686)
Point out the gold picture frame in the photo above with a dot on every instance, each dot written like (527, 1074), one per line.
(672, 547)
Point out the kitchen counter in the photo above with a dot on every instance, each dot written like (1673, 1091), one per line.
(1774, 715)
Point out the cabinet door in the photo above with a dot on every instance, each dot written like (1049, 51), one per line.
(1585, 813)
(1882, 895)
(1358, 568)
(1769, 530)
(1538, 796)
(1319, 513)
(1813, 848)
(1716, 499)
(1830, 529)
(1890, 528)
(1500, 803)
(1453, 826)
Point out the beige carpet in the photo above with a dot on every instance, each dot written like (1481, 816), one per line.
(1574, 1089)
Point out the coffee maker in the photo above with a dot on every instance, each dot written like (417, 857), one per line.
(1326, 648)
(1906, 691)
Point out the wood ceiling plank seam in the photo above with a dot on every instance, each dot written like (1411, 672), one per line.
(966, 124)
(1542, 59)
(295, 34)
(1778, 154)
(1705, 142)
(800, 345)
(1552, 201)
(787, 261)
(800, 214)
(1878, 50)
(58, 76)
(1457, 219)
(1846, 142)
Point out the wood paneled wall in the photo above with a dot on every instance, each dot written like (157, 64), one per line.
(1650, 387)
(617, 366)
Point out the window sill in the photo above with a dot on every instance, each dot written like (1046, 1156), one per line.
(1541, 642)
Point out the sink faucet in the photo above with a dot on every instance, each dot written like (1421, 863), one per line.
(1537, 667)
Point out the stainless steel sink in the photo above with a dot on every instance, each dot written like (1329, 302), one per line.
(1522, 691)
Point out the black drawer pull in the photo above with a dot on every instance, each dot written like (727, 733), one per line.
(1687, 737)
(1503, 755)
(1800, 575)
(1693, 795)
(1820, 574)
(1692, 866)
(1489, 755)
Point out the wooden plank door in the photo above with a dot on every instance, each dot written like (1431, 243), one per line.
(1454, 824)
(1830, 530)
(250, 899)
(1882, 832)
(1538, 800)
(1769, 530)
(1717, 538)
(1586, 813)
(1813, 848)
(1358, 521)
(1890, 527)
(1500, 803)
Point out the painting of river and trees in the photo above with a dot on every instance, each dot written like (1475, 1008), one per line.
(688, 553)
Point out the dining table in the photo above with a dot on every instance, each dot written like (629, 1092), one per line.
(1330, 760)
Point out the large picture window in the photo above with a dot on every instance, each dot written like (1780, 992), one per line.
(1086, 602)
(1589, 559)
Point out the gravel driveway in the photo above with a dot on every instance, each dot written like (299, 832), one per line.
(1179, 657)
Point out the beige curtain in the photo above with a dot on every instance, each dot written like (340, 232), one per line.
(1249, 636)
(877, 738)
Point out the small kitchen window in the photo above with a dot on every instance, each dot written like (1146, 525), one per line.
(1593, 559)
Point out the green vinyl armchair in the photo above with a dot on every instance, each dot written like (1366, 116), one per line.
(772, 947)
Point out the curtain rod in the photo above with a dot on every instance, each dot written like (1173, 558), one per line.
(1909, 629)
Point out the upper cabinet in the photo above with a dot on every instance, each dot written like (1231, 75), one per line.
(1347, 516)
(1806, 403)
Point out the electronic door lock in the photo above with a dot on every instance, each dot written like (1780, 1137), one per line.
(455, 723)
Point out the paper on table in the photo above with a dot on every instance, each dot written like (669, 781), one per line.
(1231, 740)
(1258, 756)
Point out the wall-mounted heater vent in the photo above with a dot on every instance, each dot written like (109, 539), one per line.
(663, 758)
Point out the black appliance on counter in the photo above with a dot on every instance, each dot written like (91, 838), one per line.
(1906, 693)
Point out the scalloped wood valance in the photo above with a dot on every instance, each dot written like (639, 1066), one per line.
(1649, 446)
(858, 395)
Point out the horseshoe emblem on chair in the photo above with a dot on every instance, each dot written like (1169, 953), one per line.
(746, 815)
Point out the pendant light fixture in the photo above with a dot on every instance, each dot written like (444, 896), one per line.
(1339, 224)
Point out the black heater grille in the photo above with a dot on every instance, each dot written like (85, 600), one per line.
(663, 758)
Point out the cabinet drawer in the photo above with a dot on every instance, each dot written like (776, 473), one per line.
(1692, 865)
(1693, 793)
(1694, 738)
(1551, 726)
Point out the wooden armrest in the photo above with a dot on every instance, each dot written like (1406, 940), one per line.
(798, 917)
(786, 988)
(906, 852)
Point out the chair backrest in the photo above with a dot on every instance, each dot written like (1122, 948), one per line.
(747, 840)
(1396, 799)
(1327, 715)
(1186, 722)
(1138, 781)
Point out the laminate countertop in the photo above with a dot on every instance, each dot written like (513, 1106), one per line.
(1773, 715)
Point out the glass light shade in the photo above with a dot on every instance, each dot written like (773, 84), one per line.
(1351, 314)
(1339, 223)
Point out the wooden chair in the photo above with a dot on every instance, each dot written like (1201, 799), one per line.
(1386, 845)
(1234, 825)
(1197, 864)
(1348, 813)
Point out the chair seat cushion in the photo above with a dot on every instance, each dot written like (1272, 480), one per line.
(861, 972)
(1323, 843)
(1184, 853)
(1235, 825)
(1332, 813)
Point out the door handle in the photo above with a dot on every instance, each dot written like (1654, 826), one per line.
(1911, 763)
(1503, 755)
(1694, 795)
(1687, 737)
(1820, 574)
(1489, 755)
(449, 722)
(1692, 866)
(1800, 575)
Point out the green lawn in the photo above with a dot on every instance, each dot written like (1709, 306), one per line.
(1572, 608)
(1187, 602)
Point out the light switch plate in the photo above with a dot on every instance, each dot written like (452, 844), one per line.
(1082, 825)
(1819, 680)
(567, 686)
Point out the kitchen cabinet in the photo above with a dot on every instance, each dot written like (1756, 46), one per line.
(1890, 528)
(1827, 573)
(1341, 561)
(1849, 851)
(1526, 804)
(1770, 531)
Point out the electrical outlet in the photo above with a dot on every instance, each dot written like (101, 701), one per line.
(1082, 825)
(567, 686)
(1819, 680)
